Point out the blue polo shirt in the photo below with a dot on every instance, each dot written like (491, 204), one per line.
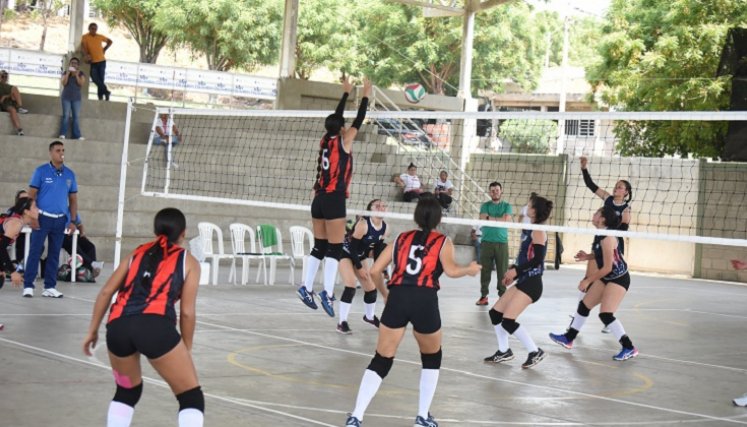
(54, 187)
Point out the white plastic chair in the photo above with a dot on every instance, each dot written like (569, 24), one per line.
(214, 252)
(298, 235)
(275, 253)
(239, 235)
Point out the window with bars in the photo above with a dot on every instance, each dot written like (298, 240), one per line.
(579, 127)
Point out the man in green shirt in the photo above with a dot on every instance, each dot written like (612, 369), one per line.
(494, 244)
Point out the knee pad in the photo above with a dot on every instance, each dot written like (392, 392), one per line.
(496, 317)
(510, 325)
(381, 365)
(192, 399)
(431, 361)
(128, 396)
(334, 250)
(369, 297)
(319, 249)
(606, 318)
(583, 310)
(347, 295)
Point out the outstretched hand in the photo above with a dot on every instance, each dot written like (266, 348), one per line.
(367, 87)
(584, 161)
(346, 85)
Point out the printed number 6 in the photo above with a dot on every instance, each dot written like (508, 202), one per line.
(325, 159)
(414, 264)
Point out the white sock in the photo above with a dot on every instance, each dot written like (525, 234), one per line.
(344, 311)
(578, 321)
(330, 274)
(617, 329)
(428, 383)
(527, 341)
(502, 336)
(190, 417)
(312, 266)
(581, 295)
(119, 415)
(369, 386)
(370, 310)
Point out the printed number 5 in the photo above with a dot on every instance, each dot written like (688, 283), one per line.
(325, 159)
(414, 264)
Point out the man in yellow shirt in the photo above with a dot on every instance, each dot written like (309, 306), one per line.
(93, 49)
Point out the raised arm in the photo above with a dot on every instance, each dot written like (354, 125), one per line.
(352, 131)
(588, 181)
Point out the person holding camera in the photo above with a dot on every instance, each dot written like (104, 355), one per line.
(72, 80)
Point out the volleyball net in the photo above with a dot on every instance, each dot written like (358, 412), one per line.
(269, 159)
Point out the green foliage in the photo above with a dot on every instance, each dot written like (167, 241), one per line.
(663, 57)
(528, 136)
(138, 17)
(326, 37)
(398, 45)
(230, 33)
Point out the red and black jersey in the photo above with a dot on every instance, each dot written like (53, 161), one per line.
(337, 166)
(154, 281)
(2, 225)
(416, 261)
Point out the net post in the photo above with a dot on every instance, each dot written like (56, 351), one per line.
(122, 184)
(698, 262)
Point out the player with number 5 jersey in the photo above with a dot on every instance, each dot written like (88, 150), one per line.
(334, 172)
(419, 257)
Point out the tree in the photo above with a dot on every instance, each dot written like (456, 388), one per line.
(326, 37)
(399, 45)
(528, 136)
(138, 17)
(663, 56)
(45, 9)
(230, 33)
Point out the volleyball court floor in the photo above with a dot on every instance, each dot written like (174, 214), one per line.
(265, 359)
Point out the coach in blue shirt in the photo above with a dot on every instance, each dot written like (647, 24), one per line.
(55, 189)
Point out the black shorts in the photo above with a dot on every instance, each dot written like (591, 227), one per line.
(361, 257)
(328, 206)
(411, 304)
(152, 335)
(623, 281)
(532, 286)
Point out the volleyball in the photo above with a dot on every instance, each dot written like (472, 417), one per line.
(414, 93)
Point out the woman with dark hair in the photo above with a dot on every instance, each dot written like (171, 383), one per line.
(528, 270)
(367, 237)
(608, 286)
(72, 81)
(619, 201)
(142, 320)
(420, 257)
(334, 172)
(20, 243)
(20, 215)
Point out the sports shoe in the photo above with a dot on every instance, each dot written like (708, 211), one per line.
(52, 293)
(80, 138)
(606, 330)
(344, 328)
(28, 292)
(625, 354)
(427, 422)
(353, 422)
(3, 327)
(375, 322)
(534, 358)
(741, 401)
(500, 356)
(562, 340)
(307, 297)
(22, 110)
(19, 132)
(482, 301)
(61, 137)
(327, 304)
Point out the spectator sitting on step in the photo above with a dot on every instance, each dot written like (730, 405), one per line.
(11, 102)
(72, 80)
(410, 183)
(86, 249)
(166, 127)
(443, 189)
